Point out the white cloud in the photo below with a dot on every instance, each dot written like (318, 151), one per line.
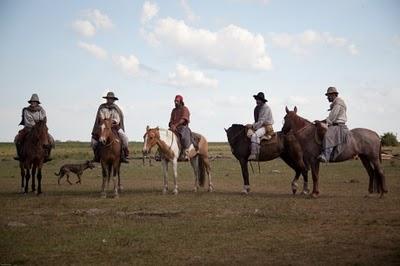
(129, 64)
(303, 42)
(231, 47)
(149, 11)
(190, 15)
(93, 49)
(186, 78)
(102, 21)
(92, 21)
(84, 27)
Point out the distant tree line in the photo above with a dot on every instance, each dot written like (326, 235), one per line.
(389, 139)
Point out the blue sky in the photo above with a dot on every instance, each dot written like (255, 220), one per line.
(217, 54)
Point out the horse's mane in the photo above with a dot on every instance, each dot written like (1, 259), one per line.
(300, 121)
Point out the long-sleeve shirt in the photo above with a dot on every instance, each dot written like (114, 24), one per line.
(337, 112)
(30, 118)
(179, 113)
(262, 116)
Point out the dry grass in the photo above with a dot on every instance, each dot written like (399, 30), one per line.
(73, 225)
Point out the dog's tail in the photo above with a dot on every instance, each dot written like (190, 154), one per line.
(59, 173)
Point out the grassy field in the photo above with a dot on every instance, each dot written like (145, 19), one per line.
(72, 225)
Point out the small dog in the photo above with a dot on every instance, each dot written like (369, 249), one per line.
(74, 168)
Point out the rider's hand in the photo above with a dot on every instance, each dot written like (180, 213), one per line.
(173, 127)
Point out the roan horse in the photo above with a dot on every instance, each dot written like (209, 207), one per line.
(364, 142)
(32, 158)
(110, 155)
(285, 147)
(169, 149)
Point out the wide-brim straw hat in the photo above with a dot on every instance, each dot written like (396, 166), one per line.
(34, 98)
(110, 95)
(331, 90)
(260, 96)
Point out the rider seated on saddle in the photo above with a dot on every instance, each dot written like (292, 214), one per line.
(179, 123)
(336, 122)
(30, 116)
(110, 110)
(262, 126)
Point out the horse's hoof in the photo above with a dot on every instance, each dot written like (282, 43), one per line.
(244, 192)
(294, 191)
(175, 192)
(103, 195)
(195, 189)
(305, 192)
(120, 188)
(314, 195)
(165, 191)
(210, 189)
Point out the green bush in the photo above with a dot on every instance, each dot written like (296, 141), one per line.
(389, 139)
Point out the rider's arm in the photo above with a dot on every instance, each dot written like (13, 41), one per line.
(333, 115)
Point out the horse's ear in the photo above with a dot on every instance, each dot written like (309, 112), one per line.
(295, 109)
(287, 110)
(226, 130)
(147, 128)
(157, 128)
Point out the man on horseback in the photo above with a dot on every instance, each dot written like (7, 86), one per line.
(110, 110)
(262, 126)
(30, 116)
(179, 123)
(336, 122)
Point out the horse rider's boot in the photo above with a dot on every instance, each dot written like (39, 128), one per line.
(96, 155)
(47, 149)
(124, 155)
(254, 152)
(18, 146)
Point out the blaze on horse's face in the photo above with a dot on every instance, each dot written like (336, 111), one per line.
(288, 120)
(149, 139)
(105, 130)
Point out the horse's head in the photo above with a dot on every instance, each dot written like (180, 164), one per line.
(150, 139)
(234, 133)
(289, 120)
(105, 130)
(39, 131)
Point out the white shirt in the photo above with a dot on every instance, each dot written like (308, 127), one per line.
(338, 112)
(112, 114)
(31, 118)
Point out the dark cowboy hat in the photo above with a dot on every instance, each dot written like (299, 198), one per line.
(34, 98)
(331, 90)
(260, 96)
(110, 95)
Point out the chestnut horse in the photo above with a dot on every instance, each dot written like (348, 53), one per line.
(33, 154)
(363, 142)
(110, 155)
(285, 147)
(169, 149)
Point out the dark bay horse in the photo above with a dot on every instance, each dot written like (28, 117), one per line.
(33, 154)
(110, 155)
(364, 142)
(285, 147)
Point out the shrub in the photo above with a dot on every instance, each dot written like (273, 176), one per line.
(389, 139)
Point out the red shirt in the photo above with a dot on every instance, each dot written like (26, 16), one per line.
(179, 113)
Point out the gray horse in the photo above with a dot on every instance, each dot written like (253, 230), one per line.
(364, 143)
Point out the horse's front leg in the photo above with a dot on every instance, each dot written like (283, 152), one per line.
(294, 182)
(315, 177)
(306, 190)
(33, 178)
(22, 177)
(245, 174)
(175, 168)
(103, 186)
(39, 177)
(195, 165)
(115, 181)
(164, 163)
(27, 176)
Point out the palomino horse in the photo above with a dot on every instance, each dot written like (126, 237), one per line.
(364, 142)
(110, 154)
(285, 147)
(32, 158)
(168, 146)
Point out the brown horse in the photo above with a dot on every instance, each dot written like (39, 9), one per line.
(363, 142)
(33, 154)
(169, 149)
(110, 154)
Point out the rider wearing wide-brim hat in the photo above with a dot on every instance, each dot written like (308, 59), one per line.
(336, 122)
(30, 116)
(110, 110)
(262, 126)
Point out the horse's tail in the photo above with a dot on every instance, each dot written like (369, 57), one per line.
(380, 152)
(202, 171)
